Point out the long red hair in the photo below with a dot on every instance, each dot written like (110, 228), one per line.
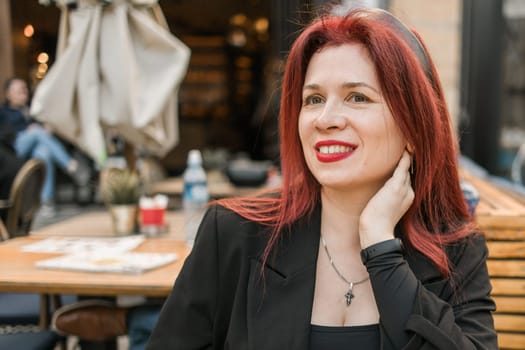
(410, 84)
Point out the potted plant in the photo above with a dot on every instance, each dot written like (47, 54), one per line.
(121, 189)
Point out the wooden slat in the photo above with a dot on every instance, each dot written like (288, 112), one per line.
(512, 323)
(495, 220)
(493, 196)
(496, 209)
(508, 286)
(497, 201)
(509, 304)
(517, 196)
(506, 268)
(501, 216)
(506, 249)
(508, 341)
(504, 234)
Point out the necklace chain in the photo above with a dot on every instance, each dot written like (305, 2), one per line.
(349, 295)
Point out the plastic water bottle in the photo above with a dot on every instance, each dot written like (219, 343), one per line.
(195, 196)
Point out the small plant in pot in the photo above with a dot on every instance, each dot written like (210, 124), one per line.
(121, 189)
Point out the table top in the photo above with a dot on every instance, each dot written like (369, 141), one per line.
(19, 274)
(218, 186)
(496, 209)
(99, 224)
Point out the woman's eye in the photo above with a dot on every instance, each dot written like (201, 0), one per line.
(358, 98)
(312, 100)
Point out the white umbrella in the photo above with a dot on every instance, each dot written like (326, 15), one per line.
(117, 66)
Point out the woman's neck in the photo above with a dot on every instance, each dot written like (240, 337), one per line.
(340, 214)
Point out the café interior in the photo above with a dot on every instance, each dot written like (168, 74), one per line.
(225, 104)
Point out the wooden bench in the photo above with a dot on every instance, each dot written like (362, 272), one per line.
(502, 217)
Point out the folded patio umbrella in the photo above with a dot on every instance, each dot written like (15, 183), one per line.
(118, 67)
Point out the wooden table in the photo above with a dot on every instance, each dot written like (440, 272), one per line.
(19, 274)
(502, 218)
(218, 186)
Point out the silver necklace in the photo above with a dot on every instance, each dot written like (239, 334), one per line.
(349, 295)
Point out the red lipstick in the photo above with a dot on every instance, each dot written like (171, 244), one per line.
(329, 151)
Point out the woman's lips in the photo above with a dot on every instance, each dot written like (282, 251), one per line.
(333, 151)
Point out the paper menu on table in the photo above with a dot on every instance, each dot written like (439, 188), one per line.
(70, 245)
(129, 263)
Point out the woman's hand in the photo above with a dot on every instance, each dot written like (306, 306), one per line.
(387, 206)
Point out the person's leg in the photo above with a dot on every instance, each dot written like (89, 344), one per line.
(24, 143)
(48, 191)
(141, 321)
(57, 151)
(79, 171)
(38, 137)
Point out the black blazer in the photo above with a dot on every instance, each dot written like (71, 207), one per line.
(221, 301)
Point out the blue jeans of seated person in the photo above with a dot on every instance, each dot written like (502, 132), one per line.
(36, 142)
(141, 321)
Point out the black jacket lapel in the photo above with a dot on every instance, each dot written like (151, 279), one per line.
(280, 303)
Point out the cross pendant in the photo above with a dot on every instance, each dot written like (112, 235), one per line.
(349, 295)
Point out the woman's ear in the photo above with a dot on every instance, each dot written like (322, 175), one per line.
(410, 148)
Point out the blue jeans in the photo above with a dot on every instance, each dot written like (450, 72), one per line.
(36, 142)
(141, 321)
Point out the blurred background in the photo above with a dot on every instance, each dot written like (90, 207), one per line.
(228, 100)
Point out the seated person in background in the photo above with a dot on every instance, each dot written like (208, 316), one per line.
(31, 140)
(10, 164)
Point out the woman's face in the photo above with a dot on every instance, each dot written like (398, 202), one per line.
(347, 131)
(17, 93)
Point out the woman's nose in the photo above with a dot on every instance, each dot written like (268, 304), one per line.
(330, 117)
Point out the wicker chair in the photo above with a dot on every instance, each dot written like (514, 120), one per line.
(24, 199)
(20, 312)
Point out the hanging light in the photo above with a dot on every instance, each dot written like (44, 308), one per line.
(42, 57)
(41, 70)
(29, 30)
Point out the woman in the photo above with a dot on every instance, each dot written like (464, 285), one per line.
(31, 140)
(368, 244)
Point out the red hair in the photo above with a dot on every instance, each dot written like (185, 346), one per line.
(410, 84)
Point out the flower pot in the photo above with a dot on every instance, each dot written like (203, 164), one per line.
(124, 219)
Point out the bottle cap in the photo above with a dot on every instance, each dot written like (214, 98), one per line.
(194, 157)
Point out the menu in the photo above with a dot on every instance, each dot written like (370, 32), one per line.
(129, 263)
(70, 245)
(99, 254)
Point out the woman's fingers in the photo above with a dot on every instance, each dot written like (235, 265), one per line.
(388, 205)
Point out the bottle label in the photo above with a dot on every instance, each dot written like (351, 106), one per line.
(196, 192)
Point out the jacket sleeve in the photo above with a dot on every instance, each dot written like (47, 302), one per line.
(186, 319)
(440, 314)
(7, 133)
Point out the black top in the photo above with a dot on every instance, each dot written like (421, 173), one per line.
(344, 338)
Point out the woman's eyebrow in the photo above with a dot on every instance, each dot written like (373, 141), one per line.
(347, 85)
(350, 85)
(311, 87)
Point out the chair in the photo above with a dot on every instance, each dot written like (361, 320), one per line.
(19, 312)
(24, 198)
(4, 235)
